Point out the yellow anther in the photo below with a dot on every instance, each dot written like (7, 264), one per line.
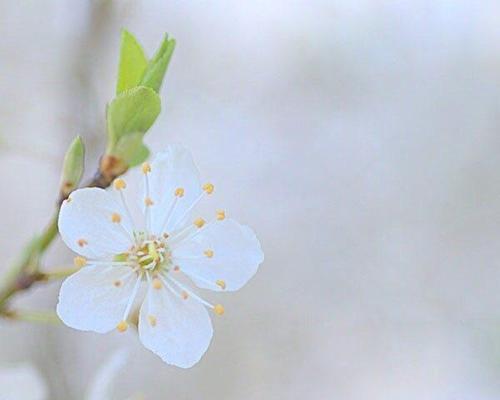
(156, 283)
(82, 242)
(219, 309)
(146, 168)
(221, 284)
(208, 188)
(148, 202)
(122, 326)
(199, 222)
(80, 261)
(115, 217)
(119, 184)
(117, 283)
(209, 253)
(152, 320)
(179, 192)
(221, 214)
(184, 295)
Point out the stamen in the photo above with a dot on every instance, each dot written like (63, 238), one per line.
(177, 268)
(188, 210)
(184, 295)
(199, 222)
(198, 257)
(181, 233)
(146, 168)
(156, 283)
(193, 274)
(117, 283)
(122, 326)
(116, 218)
(119, 184)
(221, 284)
(208, 188)
(219, 309)
(80, 261)
(174, 240)
(132, 297)
(171, 209)
(221, 214)
(209, 253)
(152, 320)
(111, 263)
(189, 292)
(82, 242)
(169, 287)
(148, 202)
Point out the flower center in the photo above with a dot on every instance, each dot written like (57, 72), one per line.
(151, 254)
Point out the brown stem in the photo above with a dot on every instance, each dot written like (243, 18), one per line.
(110, 167)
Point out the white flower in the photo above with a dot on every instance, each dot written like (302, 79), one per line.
(120, 254)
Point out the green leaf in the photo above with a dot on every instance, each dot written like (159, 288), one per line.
(73, 166)
(137, 104)
(131, 149)
(142, 154)
(134, 110)
(132, 65)
(157, 66)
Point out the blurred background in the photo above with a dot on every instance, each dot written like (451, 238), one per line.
(359, 139)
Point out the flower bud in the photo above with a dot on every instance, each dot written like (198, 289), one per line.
(73, 167)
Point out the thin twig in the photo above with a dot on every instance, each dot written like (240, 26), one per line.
(59, 273)
(45, 317)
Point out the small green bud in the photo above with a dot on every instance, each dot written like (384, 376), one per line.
(73, 166)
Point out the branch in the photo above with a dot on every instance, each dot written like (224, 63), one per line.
(47, 317)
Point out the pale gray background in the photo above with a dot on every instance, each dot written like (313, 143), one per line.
(360, 139)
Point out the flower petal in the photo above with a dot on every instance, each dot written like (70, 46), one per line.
(95, 298)
(172, 169)
(86, 224)
(178, 331)
(235, 259)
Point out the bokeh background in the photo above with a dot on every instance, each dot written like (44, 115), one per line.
(360, 139)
